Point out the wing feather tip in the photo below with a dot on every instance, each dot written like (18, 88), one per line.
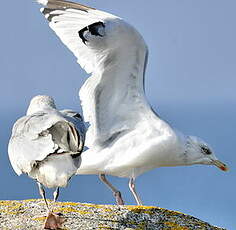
(41, 10)
(43, 2)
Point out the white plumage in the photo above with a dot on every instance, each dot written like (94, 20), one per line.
(43, 140)
(46, 145)
(44, 2)
(126, 137)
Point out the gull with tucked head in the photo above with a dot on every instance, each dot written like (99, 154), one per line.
(46, 145)
(126, 137)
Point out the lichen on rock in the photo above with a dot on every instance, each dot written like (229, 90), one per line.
(31, 214)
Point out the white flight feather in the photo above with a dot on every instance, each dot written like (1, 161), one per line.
(43, 2)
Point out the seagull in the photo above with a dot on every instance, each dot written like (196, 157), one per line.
(46, 145)
(126, 137)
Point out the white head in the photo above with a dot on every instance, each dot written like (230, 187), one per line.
(39, 103)
(200, 153)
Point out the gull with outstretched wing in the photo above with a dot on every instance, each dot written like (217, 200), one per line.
(126, 137)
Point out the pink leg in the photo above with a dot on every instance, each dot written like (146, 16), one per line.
(132, 189)
(116, 193)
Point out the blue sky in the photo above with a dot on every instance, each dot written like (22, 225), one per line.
(190, 81)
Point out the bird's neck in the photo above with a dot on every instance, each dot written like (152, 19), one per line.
(189, 154)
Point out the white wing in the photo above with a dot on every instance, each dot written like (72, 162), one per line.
(37, 136)
(67, 19)
(113, 99)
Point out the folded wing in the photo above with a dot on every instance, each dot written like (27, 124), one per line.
(37, 136)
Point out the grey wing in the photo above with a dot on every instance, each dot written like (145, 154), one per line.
(78, 125)
(37, 136)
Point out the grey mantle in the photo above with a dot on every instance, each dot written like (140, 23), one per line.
(30, 214)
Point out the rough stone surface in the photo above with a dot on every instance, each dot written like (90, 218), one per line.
(30, 214)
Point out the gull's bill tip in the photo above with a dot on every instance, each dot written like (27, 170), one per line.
(220, 165)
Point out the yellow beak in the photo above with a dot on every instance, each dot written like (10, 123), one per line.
(220, 165)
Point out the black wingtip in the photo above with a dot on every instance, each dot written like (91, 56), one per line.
(62, 4)
(81, 35)
(93, 29)
(53, 5)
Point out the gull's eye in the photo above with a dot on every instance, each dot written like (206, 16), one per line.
(206, 150)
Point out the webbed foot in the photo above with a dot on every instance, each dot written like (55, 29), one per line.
(54, 221)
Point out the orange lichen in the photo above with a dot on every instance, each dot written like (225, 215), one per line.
(42, 218)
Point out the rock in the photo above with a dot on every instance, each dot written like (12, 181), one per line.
(30, 214)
